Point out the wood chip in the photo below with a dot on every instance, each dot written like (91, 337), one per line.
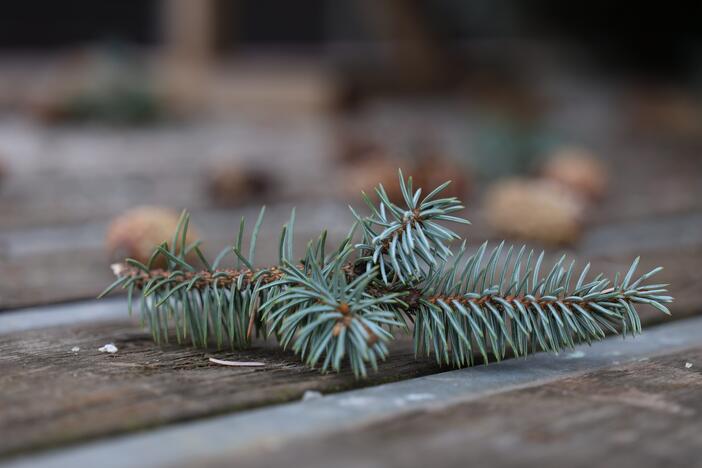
(237, 363)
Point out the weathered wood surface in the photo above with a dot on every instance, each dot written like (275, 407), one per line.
(52, 222)
(72, 174)
(68, 175)
(44, 271)
(231, 436)
(65, 263)
(66, 183)
(53, 396)
(645, 414)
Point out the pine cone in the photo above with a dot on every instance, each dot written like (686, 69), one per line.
(136, 233)
(578, 170)
(536, 210)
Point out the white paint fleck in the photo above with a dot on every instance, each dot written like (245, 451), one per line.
(75, 349)
(311, 395)
(108, 348)
(420, 396)
(356, 401)
(688, 365)
(575, 355)
(413, 397)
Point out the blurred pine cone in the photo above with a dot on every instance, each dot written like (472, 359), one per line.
(136, 233)
(537, 210)
(579, 170)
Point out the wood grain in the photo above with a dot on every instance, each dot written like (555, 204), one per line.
(65, 183)
(54, 211)
(53, 396)
(645, 414)
(44, 275)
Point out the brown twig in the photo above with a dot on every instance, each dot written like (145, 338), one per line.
(206, 278)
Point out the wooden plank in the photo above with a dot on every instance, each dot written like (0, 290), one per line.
(644, 414)
(231, 436)
(649, 180)
(63, 263)
(53, 197)
(52, 395)
(69, 174)
(53, 277)
(50, 273)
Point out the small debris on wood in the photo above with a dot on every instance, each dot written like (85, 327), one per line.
(434, 170)
(237, 363)
(311, 395)
(365, 175)
(234, 185)
(108, 348)
(433, 166)
(688, 365)
(75, 349)
(353, 149)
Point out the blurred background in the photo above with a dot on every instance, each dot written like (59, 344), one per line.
(574, 126)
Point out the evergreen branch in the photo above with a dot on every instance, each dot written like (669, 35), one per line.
(346, 305)
(465, 311)
(327, 316)
(410, 237)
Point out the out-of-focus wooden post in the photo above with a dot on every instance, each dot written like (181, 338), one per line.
(189, 30)
(189, 41)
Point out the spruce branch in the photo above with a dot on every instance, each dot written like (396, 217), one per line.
(400, 277)
(489, 308)
(410, 237)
